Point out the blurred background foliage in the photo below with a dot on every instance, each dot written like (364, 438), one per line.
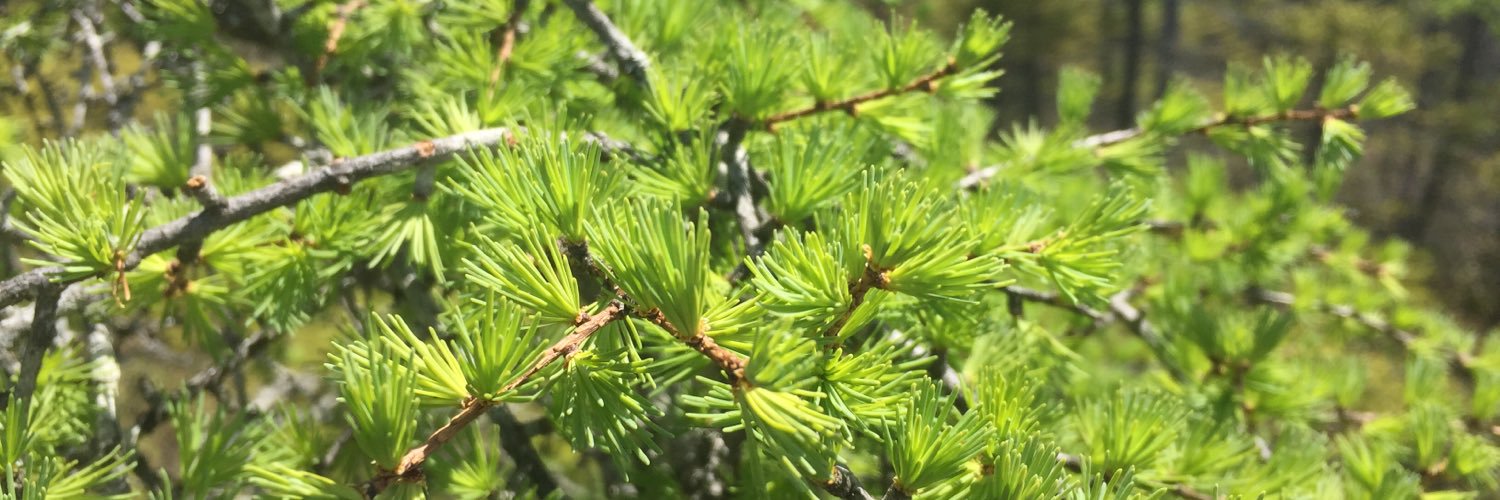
(1431, 177)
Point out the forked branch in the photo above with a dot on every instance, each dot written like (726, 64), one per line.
(409, 469)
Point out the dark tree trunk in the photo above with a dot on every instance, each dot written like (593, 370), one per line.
(1130, 77)
(1424, 207)
(1166, 47)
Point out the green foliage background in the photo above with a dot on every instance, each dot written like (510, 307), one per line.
(758, 249)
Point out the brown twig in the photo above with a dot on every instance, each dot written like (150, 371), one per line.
(1055, 299)
(409, 469)
(925, 83)
(732, 364)
(336, 31)
(871, 278)
(507, 40)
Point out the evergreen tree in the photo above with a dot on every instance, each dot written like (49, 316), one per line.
(703, 250)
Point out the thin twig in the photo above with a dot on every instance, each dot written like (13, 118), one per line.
(1120, 310)
(335, 32)
(631, 59)
(979, 176)
(200, 184)
(96, 56)
(732, 364)
(1055, 299)
(507, 40)
(925, 83)
(1459, 362)
(409, 469)
(1294, 115)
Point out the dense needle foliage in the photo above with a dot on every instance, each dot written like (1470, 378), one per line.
(753, 249)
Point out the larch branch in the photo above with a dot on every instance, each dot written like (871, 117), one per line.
(631, 59)
(925, 83)
(409, 468)
(38, 339)
(1106, 139)
(240, 208)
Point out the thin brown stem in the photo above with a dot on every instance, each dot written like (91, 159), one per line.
(871, 278)
(409, 469)
(732, 364)
(507, 40)
(925, 83)
(335, 32)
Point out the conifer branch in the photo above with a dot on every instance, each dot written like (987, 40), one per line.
(1295, 115)
(200, 185)
(631, 59)
(242, 207)
(1106, 139)
(738, 178)
(409, 468)
(1459, 362)
(38, 339)
(732, 364)
(924, 83)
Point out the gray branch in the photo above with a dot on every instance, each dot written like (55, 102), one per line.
(1459, 362)
(631, 59)
(243, 207)
(1056, 300)
(200, 184)
(95, 44)
(739, 176)
(38, 339)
